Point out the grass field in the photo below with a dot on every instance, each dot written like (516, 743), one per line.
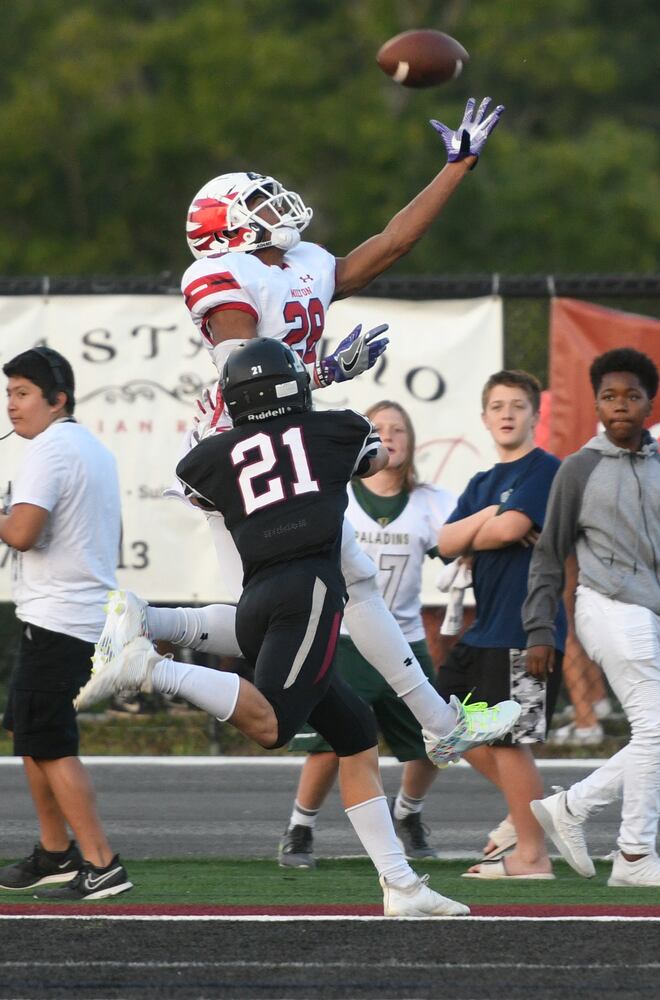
(350, 882)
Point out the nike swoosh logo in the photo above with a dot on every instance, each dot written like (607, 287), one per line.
(350, 362)
(92, 883)
(65, 864)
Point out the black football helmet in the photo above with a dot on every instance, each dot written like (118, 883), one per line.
(264, 379)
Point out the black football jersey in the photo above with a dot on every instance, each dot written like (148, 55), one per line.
(281, 483)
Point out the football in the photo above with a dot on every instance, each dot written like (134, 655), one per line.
(422, 58)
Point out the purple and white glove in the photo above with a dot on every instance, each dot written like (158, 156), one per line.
(356, 354)
(471, 135)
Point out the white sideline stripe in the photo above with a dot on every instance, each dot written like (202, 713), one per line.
(318, 598)
(570, 764)
(287, 919)
(393, 963)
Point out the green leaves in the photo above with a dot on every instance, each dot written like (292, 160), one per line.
(113, 115)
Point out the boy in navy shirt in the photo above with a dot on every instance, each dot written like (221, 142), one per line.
(495, 524)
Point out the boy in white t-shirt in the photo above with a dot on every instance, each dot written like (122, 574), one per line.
(63, 524)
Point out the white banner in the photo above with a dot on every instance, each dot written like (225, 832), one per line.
(139, 366)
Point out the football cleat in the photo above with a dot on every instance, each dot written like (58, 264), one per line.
(476, 724)
(130, 670)
(418, 900)
(126, 619)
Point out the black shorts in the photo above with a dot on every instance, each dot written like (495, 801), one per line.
(494, 675)
(399, 727)
(50, 670)
(287, 624)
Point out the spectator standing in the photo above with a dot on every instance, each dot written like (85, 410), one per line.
(496, 522)
(63, 525)
(605, 505)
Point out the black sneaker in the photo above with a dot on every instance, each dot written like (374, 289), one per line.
(41, 867)
(297, 848)
(91, 883)
(411, 834)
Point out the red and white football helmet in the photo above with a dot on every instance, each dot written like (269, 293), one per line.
(220, 221)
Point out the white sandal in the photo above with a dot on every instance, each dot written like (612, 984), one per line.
(504, 837)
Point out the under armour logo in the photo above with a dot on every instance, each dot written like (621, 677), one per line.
(408, 662)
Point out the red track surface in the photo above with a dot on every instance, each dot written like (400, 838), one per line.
(365, 910)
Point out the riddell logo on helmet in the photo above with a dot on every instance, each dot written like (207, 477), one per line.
(267, 414)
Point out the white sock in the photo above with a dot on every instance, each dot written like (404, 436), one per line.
(300, 816)
(214, 691)
(379, 639)
(431, 711)
(211, 629)
(405, 805)
(372, 822)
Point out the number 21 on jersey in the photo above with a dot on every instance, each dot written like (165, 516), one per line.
(277, 488)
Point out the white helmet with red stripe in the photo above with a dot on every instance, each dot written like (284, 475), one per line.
(236, 213)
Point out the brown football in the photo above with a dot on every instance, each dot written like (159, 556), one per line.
(422, 58)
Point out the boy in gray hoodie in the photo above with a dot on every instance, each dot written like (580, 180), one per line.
(605, 506)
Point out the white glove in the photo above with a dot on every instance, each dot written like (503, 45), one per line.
(206, 422)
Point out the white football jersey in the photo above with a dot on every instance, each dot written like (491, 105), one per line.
(288, 302)
(398, 550)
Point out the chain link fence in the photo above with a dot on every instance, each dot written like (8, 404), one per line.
(588, 719)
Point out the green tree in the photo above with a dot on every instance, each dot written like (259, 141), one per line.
(113, 115)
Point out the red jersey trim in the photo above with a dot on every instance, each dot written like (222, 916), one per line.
(207, 284)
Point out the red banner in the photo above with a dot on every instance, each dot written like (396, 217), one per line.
(579, 332)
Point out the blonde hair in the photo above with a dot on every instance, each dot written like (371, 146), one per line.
(407, 470)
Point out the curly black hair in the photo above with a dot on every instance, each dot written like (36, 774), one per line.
(625, 359)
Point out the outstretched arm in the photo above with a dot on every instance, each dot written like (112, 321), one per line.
(402, 232)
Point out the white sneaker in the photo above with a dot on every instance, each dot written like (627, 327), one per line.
(603, 709)
(417, 900)
(574, 736)
(645, 872)
(565, 831)
(131, 670)
(126, 620)
(476, 724)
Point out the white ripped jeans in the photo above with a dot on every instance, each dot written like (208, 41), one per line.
(624, 639)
